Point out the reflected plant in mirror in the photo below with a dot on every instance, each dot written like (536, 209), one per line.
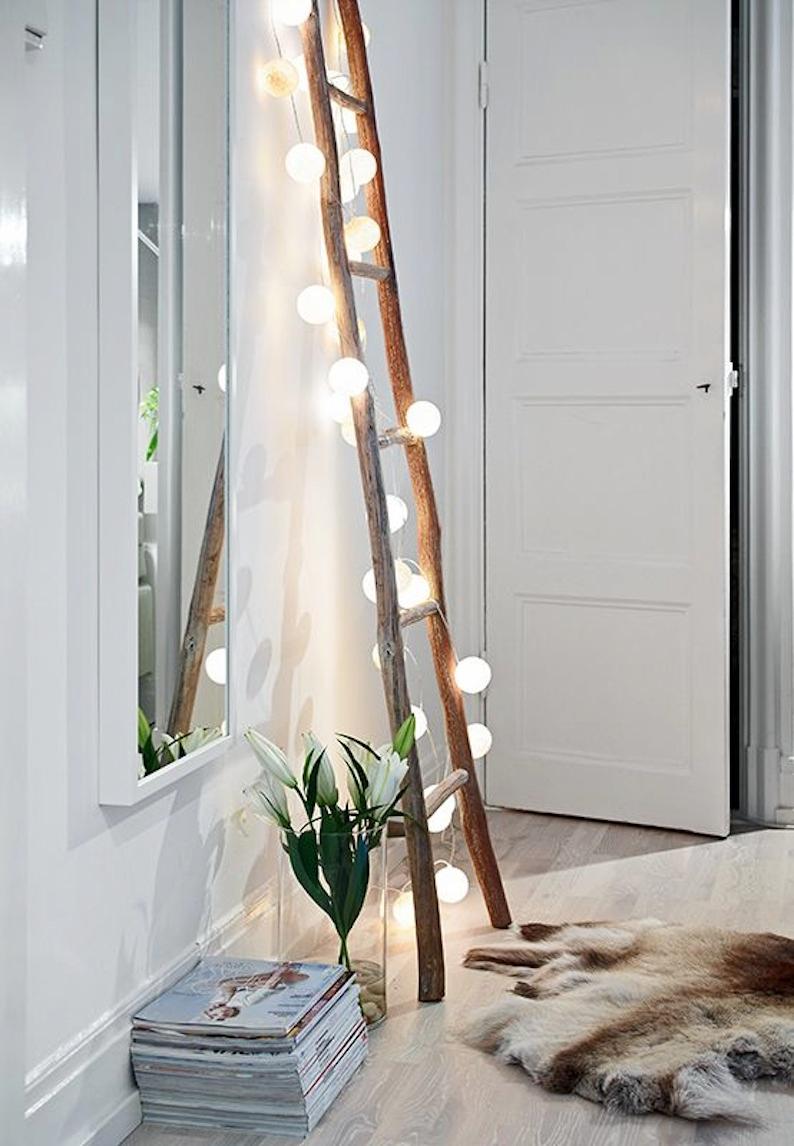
(181, 131)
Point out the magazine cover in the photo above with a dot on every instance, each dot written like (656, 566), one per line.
(223, 994)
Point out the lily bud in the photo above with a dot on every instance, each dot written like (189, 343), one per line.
(271, 759)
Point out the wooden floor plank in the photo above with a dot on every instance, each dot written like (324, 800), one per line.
(421, 1087)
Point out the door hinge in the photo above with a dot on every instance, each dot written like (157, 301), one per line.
(482, 85)
(733, 380)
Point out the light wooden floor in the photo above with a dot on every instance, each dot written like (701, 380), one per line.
(422, 1088)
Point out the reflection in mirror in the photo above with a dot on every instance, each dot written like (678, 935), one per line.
(181, 130)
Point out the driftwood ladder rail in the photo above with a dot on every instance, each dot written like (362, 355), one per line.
(369, 442)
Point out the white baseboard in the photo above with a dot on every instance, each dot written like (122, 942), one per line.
(83, 1094)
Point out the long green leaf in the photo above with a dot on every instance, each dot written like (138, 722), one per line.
(312, 887)
(357, 889)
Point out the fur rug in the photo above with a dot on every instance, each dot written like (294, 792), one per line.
(644, 1016)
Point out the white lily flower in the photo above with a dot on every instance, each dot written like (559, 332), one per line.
(268, 800)
(385, 775)
(327, 794)
(271, 758)
(198, 738)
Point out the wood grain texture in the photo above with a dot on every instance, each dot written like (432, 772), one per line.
(422, 1087)
(430, 950)
(428, 527)
(199, 616)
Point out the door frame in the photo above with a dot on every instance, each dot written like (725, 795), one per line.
(761, 771)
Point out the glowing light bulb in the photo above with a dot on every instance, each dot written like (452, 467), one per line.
(403, 909)
(316, 304)
(472, 674)
(279, 78)
(339, 408)
(291, 12)
(222, 378)
(348, 376)
(362, 234)
(480, 740)
(376, 656)
(299, 64)
(442, 817)
(416, 591)
(348, 431)
(421, 721)
(403, 574)
(368, 586)
(305, 163)
(398, 512)
(452, 884)
(423, 419)
(215, 666)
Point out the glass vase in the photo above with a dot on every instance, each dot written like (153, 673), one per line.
(366, 943)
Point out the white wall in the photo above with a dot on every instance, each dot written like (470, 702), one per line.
(117, 898)
(13, 540)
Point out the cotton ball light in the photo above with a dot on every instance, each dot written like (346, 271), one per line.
(348, 432)
(316, 304)
(222, 378)
(403, 909)
(357, 167)
(368, 586)
(480, 740)
(291, 12)
(339, 408)
(473, 674)
(415, 592)
(442, 817)
(215, 666)
(362, 234)
(403, 573)
(398, 512)
(367, 34)
(376, 656)
(423, 419)
(421, 721)
(299, 64)
(305, 163)
(452, 884)
(348, 376)
(279, 78)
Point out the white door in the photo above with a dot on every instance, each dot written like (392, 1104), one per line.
(606, 464)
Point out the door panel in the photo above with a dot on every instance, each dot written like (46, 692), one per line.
(606, 492)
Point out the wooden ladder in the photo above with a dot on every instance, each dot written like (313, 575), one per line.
(390, 618)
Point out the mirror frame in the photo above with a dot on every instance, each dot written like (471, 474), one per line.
(117, 423)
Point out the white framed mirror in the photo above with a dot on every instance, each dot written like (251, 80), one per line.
(163, 123)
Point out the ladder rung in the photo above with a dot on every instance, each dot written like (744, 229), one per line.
(418, 613)
(217, 615)
(369, 271)
(441, 792)
(396, 436)
(348, 101)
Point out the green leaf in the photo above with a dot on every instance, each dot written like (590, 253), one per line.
(359, 881)
(359, 776)
(312, 887)
(311, 788)
(151, 449)
(361, 743)
(144, 729)
(404, 740)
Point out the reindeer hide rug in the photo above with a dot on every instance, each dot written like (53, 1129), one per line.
(644, 1016)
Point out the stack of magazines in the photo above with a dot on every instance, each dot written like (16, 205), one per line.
(250, 1045)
